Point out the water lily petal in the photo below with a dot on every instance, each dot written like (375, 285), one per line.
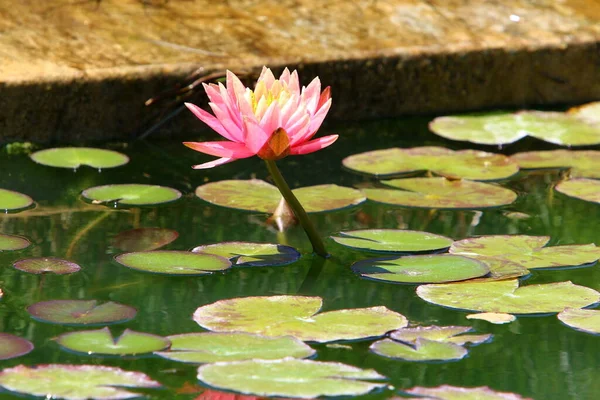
(221, 149)
(311, 95)
(210, 120)
(235, 133)
(299, 130)
(271, 121)
(256, 137)
(215, 163)
(294, 84)
(314, 145)
(267, 77)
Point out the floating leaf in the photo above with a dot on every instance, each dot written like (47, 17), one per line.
(448, 334)
(393, 240)
(144, 239)
(12, 346)
(101, 342)
(257, 195)
(436, 268)
(528, 251)
(74, 157)
(582, 163)
(74, 382)
(500, 269)
(422, 350)
(494, 318)
(581, 319)
(173, 262)
(589, 113)
(248, 254)
(295, 316)
(80, 312)
(559, 128)
(131, 194)
(14, 201)
(13, 242)
(290, 377)
(446, 392)
(441, 193)
(507, 297)
(583, 189)
(467, 164)
(41, 265)
(209, 347)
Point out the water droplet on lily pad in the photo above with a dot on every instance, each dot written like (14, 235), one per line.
(296, 316)
(393, 240)
(74, 157)
(582, 163)
(441, 193)
(130, 195)
(12, 346)
(74, 382)
(101, 341)
(13, 242)
(173, 262)
(436, 268)
(11, 201)
(446, 392)
(248, 254)
(420, 350)
(80, 312)
(210, 347)
(304, 379)
(144, 239)
(581, 188)
(42, 265)
(581, 319)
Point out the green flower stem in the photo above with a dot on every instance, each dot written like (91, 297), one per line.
(286, 192)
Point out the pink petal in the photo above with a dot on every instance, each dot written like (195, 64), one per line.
(311, 95)
(288, 109)
(285, 76)
(256, 137)
(235, 87)
(299, 130)
(271, 121)
(213, 93)
(267, 77)
(236, 133)
(215, 163)
(314, 145)
(221, 149)
(210, 120)
(294, 84)
(317, 120)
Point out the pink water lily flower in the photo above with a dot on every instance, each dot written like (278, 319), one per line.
(272, 121)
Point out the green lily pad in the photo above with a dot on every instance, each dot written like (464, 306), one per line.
(144, 239)
(447, 334)
(80, 312)
(441, 193)
(393, 240)
(74, 157)
(581, 319)
(446, 392)
(209, 347)
(257, 195)
(303, 379)
(13, 242)
(582, 189)
(131, 194)
(500, 269)
(507, 297)
(528, 251)
(248, 254)
(14, 201)
(173, 262)
(74, 382)
(296, 316)
(582, 163)
(559, 128)
(101, 341)
(421, 350)
(42, 265)
(435, 268)
(12, 346)
(589, 112)
(467, 164)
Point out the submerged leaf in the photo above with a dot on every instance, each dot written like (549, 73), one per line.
(144, 239)
(131, 194)
(101, 341)
(74, 157)
(173, 262)
(421, 350)
(80, 312)
(42, 265)
(12, 346)
(393, 240)
(248, 254)
(583, 189)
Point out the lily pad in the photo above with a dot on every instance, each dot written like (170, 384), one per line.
(447, 334)
(296, 316)
(173, 262)
(393, 240)
(80, 312)
(144, 239)
(467, 164)
(446, 392)
(528, 251)
(441, 193)
(581, 319)
(257, 195)
(13, 242)
(589, 113)
(74, 382)
(14, 201)
(492, 317)
(12, 346)
(436, 268)
(74, 157)
(421, 350)
(582, 189)
(290, 377)
(248, 254)
(42, 265)
(101, 341)
(209, 347)
(500, 269)
(559, 128)
(582, 163)
(131, 194)
(507, 297)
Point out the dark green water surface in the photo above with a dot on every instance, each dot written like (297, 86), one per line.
(536, 356)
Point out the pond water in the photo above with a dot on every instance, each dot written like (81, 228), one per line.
(534, 356)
